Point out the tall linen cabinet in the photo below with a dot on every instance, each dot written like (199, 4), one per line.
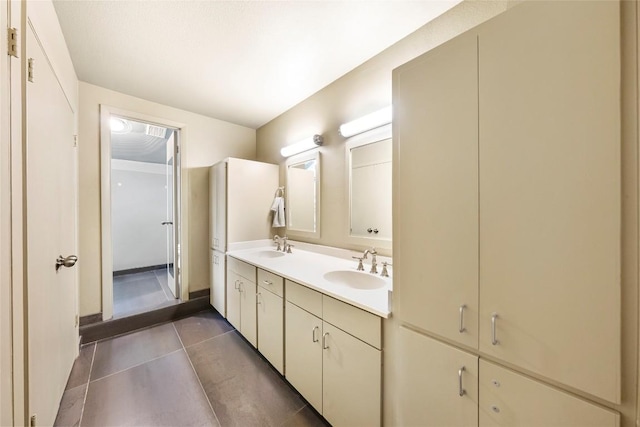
(507, 221)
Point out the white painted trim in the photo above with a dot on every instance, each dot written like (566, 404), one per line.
(105, 201)
(375, 135)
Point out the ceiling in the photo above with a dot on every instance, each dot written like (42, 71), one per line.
(245, 62)
(134, 142)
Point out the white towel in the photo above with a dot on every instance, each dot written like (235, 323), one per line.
(278, 212)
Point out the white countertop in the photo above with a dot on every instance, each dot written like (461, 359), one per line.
(308, 268)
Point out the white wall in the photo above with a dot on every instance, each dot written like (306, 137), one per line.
(138, 206)
(205, 141)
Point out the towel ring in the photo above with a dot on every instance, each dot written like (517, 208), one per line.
(280, 192)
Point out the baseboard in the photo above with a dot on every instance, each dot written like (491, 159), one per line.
(111, 328)
(199, 294)
(91, 318)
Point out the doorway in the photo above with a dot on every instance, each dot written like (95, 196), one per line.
(145, 215)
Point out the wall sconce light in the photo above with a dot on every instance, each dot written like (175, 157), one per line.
(300, 146)
(365, 123)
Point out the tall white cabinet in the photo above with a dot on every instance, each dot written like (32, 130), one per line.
(509, 247)
(240, 196)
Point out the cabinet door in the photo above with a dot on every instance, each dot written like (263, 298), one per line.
(550, 192)
(248, 311)
(233, 298)
(351, 374)
(436, 190)
(430, 378)
(218, 282)
(271, 327)
(303, 353)
(510, 399)
(219, 195)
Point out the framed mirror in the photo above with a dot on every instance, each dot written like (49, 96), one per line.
(303, 195)
(369, 160)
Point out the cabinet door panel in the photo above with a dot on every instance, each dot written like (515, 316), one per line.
(218, 284)
(429, 383)
(233, 299)
(510, 399)
(351, 380)
(436, 190)
(303, 355)
(271, 328)
(248, 311)
(550, 191)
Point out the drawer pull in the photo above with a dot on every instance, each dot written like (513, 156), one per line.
(267, 282)
(494, 339)
(313, 334)
(461, 328)
(324, 341)
(461, 391)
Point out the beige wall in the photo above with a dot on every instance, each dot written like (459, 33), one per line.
(361, 91)
(204, 142)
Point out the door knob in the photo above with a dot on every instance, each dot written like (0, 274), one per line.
(166, 223)
(69, 261)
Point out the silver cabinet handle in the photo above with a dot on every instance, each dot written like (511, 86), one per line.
(236, 286)
(324, 341)
(258, 295)
(240, 286)
(494, 339)
(69, 261)
(461, 391)
(267, 282)
(313, 334)
(461, 328)
(166, 223)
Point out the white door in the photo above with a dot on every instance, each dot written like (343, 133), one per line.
(51, 231)
(173, 215)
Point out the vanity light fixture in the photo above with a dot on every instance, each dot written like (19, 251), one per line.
(365, 123)
(300, 146)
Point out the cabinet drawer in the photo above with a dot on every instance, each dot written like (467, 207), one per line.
(271, 282)
(245, 270)
(304, 297)
(357, 322)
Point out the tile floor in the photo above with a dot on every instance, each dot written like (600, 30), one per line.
(194, 371)
(141, 292)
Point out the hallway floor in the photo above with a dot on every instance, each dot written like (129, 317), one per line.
(140, 292)
(194, 371)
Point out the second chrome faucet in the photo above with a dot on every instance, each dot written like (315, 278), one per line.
(374, 263)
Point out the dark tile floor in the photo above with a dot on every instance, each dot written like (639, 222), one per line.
(195, 371)
(141, 292)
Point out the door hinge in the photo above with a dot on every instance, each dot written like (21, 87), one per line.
(75, 140)
(12, 42)
(77, 320)
(32, 421)
(30, 70)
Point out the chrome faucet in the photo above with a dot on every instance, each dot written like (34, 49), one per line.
(277, 240)
(374, 263)
(284, 244)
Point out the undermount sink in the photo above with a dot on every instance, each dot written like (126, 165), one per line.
(355, 279)
(269, 254)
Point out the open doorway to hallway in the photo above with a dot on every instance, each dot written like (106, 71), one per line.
(145, 195)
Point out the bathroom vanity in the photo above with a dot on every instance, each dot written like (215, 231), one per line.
(318, 321)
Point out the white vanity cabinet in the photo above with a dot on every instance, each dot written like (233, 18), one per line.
(333, 356)
(241, 298)
(510, 245)
(445, 386)
(270, 307)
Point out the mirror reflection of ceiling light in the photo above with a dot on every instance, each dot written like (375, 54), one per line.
(119, 125)
(365, 123)
(300, 146)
